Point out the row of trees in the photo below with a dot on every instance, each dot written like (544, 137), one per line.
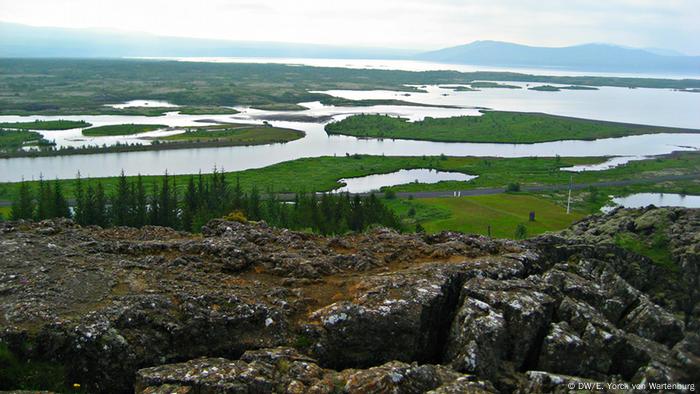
(203, 197)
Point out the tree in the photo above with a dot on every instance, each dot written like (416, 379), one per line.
(23, 206)
(121, 202)
(140, 203)
(60, 204)
(520, 231)
(79, 201)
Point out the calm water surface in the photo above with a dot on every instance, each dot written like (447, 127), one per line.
(375, 182)
(648, 106)
(641, 200)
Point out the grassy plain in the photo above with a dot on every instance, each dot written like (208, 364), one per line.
(492, 126)
(121, 129)
(474, 214)
(245, 135)
(45, 125)
(12, 140)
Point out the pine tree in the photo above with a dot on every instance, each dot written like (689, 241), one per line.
(140, 203)
(100, 206)
(189, 206)
(79, 201)
(23, 206)
(44, 200)
(121, 202)
(60, 204)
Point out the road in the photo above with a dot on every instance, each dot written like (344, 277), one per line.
(487, 191)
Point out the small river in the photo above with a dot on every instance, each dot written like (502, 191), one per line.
(647, 106)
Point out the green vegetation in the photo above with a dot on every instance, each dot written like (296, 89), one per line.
(238, 134)
(14, 140)
(655, 247)
(17, 374)
(492, 126)
(343, 102)
(46, 125)
(204, 198)
(492, 85)
(323, 173)
(507, 215)
(121, 129)
(84, 86)
(207, 111)
(280, 107)
(545, 88)
(550, 88)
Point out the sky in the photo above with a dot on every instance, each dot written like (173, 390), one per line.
(405, 24)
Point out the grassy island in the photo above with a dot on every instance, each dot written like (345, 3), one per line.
(492, 126)
(121, 129)
(46, 125)
(13, 140)
(238, 134)
(492, 85)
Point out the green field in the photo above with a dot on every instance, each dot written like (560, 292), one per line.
(45, 125)
(492, 126)
(245, 135)
(121, 129)
(474, 214)
(85, 86)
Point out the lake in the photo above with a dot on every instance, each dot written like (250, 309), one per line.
(650, 106)
(640, 200)
(375, 182)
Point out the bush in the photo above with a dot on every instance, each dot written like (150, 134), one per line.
(521, 231)
(513, 187)
(236, 216)
(412, 212)
(389, 194)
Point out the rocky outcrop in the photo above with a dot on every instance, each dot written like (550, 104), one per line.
(248, 308)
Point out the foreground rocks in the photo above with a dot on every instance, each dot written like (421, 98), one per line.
(247, 308)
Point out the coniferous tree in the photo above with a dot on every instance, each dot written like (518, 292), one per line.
(60, 204)
(121, 202)
(79, 201)
(44, 201)
(140, 203)
(100, 206)
(23, 206)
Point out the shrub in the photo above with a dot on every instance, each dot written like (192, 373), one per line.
(236, 216)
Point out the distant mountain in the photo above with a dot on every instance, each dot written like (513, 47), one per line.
(590, 57)
(18, 40)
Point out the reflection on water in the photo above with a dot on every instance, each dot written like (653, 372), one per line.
(143, 103)
(641, 200)
(375, 182)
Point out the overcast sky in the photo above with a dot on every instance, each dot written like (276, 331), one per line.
(411, 24)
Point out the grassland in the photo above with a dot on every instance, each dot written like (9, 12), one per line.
(121, 129)
(474, 214)
(323, 173)
(242, 135)
(492, 126)
(45, 125)
(12, 140)
(492, 85)
(84, 86)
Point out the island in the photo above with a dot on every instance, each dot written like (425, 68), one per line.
(491, 126)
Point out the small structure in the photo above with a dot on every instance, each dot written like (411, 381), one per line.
(532, 216)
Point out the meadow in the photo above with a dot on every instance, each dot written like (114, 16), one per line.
(491, 126)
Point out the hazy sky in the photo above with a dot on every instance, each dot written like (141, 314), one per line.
(419, 24)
